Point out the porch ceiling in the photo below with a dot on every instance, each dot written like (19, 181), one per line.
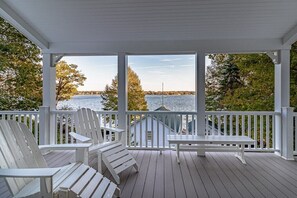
(147, 25)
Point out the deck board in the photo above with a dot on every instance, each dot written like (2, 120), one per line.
(239, 181)
(216, 175)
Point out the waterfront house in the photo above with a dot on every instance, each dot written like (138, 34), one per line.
(121, 28)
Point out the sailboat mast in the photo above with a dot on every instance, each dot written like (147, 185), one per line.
(162, 94)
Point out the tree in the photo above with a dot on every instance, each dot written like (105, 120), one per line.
(222, 78)
(68, 79)
(20, 71)
(254, 91)
(136, 96)
(293, 88)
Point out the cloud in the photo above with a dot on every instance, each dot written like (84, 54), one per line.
(156, 72)
(186, 65)
(170, 59)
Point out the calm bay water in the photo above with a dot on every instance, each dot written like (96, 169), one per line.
(173, 103)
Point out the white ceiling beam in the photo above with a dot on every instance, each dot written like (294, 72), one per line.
(290, 37)
(167, 47)
(20, 24)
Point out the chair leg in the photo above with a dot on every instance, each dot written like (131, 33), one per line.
(99, 162)
(136, 167)
(117, 193)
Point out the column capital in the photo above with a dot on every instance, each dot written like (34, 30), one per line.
(54, 58)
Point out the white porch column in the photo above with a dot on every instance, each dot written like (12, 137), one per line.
(47, 121)
(122, 94)
(287, 135)
(200, 93)
(282, 99)
(200, 96)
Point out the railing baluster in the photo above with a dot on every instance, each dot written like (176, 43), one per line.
(140, 136)
(261, 131)
(187, 127)
(219, 124)
(206, 126)
(146, 130)
(192, 123)
(66, 129)
(231, 125)
(267, 132)
(237, 125)
(30, 123)
(61, 128)
(295, 132)
(135, 132)
(225, 125)
(255, 131)
(158, 130)
(249, 128)
(242, 125)
(129, 134)
(175, 130)
(212, 124)
(152, 131)
(72, 127)
(273, 132)
(104, 124)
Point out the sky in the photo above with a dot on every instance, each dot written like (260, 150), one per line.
(177, 72)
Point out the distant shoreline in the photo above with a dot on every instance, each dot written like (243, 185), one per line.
(167, 93)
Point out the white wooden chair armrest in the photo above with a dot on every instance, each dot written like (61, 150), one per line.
(45, 175)
(79, 137)
(29, 172)
(81, 150)
(112, 129)
(65, 146)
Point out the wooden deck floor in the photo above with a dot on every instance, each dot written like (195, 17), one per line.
(216, 175)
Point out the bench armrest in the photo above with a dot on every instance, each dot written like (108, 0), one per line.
(29, 172)
(79, 137)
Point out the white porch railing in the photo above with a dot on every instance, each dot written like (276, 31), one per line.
(30, 118)
(149, 130)
(65, 124)
(258, 125)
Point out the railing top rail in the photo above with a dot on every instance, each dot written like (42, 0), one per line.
(158, 112)
(241, 113)
(73, 111)
(161, 112)
(207, 112)
(19, 112)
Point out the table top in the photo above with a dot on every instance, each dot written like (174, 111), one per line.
(195, 139)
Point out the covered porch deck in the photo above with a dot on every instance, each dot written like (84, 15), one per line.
(216, 175)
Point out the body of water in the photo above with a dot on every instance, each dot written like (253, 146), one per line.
(173, 103)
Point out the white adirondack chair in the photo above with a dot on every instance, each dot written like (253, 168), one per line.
(27, 175)
(114, 154)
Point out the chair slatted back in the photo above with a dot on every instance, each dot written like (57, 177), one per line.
(87, 124)
(18, 149)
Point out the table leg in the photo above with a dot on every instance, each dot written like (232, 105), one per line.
(240, 154)
(177, 153)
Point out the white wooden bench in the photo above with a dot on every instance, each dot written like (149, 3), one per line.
(212, 144)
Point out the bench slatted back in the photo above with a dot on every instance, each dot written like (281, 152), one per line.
(87, 124)
(18, 149)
